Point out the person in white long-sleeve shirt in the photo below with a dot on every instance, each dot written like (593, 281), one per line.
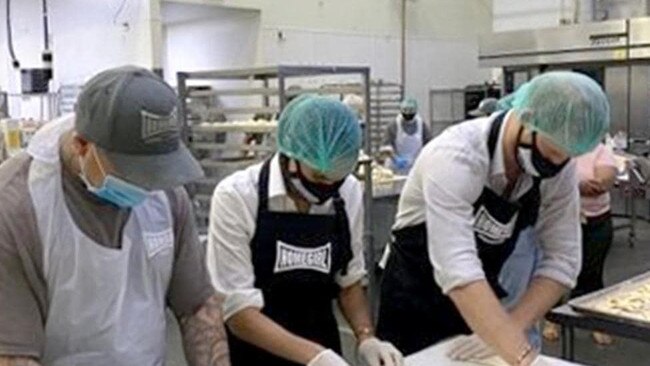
(471, 192)
(286, 239)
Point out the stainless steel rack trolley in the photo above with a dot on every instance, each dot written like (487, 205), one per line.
(230, 119)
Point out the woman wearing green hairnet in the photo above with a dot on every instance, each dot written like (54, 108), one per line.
(471, 192)
(286, 239)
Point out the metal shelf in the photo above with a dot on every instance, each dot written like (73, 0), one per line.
(232, 92)
(271, 72)
(238, 164)
(220, 127)
(388, 101)
(385, 100)
(269, 90)
(384, 115)
(214, 146)
(244, 110)
(327, 90)
(342, 89)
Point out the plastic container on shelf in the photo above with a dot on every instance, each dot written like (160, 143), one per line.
(12, 136)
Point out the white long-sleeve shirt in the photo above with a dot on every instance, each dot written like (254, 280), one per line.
(233, 215)
(446, 180)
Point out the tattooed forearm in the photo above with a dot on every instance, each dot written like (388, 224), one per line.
(18, 361)
(204, 336)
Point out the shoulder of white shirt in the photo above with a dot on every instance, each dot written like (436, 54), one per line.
(467, 138)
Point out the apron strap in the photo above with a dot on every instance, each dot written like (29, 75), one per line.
(342, 223)
(343, 228)
(263, 188)
(533, 193)
(495, 129)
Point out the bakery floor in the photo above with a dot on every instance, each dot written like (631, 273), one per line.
(622, 263)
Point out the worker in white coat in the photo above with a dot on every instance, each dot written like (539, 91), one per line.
(285, 240)
(471, 192)
(406, 137)
(97, 236)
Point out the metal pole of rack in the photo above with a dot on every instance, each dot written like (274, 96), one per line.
(282, 91)
(378, 116)
(266, 98)
(181, 81)
(367, 199)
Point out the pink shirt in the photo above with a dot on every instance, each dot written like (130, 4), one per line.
(601, 156)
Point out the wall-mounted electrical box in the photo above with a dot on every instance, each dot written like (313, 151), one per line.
(35, 81)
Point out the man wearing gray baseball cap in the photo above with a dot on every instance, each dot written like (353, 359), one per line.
(97, 235)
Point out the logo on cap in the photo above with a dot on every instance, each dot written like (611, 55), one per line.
(156, 128)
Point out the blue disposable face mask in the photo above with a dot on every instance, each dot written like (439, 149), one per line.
(115, 190)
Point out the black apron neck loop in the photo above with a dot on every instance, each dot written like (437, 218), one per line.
(495, 130)
(343, 228)
(342, 223)
(263, 187)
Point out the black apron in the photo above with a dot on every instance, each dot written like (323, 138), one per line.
(295, 257)
(414, 313)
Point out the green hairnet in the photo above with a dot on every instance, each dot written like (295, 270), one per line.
(505, 103)
(409, 106)
(569, 108)
(322, 133)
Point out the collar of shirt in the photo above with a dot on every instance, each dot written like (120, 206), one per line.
(277, 187)
(279, 199)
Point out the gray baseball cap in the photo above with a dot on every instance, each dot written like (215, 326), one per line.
(485, 108)
(130, 114)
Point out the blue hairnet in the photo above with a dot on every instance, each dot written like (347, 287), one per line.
(569, 108)
(409, 106)
(322, 133)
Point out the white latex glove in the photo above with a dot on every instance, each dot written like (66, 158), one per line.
(470, 348)
(379, 353)
(327, 358)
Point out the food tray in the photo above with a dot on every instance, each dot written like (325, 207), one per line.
(628, 301)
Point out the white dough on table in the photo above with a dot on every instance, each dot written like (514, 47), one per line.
(437, 356)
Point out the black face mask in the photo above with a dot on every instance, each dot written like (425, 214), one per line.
(322, 192)
(408, 117)
(315, 193)
(534, 163)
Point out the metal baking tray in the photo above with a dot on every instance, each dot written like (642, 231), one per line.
(592, 304)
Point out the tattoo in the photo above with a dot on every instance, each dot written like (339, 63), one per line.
(204, 335)
(18, 361)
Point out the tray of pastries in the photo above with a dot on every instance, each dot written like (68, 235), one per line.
(628, 300)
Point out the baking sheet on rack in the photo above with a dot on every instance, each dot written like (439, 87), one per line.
(627, 301)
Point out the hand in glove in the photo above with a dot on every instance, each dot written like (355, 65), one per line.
(379, 353)
(327, 358)
(400, 163)
(467, 348)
